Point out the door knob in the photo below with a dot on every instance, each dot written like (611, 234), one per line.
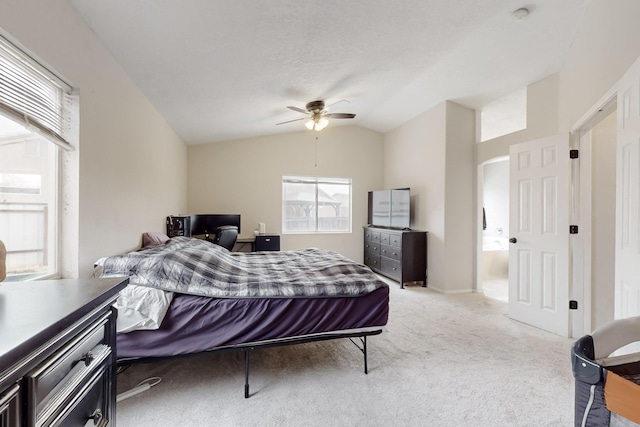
(513, 240)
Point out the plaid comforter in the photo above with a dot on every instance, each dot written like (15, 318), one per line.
(192, 266)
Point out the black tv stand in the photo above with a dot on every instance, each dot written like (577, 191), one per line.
(398, 254)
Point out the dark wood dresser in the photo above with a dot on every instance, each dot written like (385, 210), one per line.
(57, 352)
(400, 255)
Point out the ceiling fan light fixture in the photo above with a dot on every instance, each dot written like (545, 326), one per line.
(310, 124)
(318, 118)
(317, 123)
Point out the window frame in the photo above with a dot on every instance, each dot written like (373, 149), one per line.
(316, 181)
(36, 98)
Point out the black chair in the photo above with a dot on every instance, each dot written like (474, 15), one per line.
(226, 236)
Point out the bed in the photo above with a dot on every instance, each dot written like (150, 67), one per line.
(606, 367)
(188, 296)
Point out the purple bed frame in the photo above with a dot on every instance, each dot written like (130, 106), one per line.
(195, 325)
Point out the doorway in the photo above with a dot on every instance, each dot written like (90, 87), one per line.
(593, 248)
(493, 265)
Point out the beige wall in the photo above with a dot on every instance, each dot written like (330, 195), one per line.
(414, 156)
(129, 170)
(605, 46)
(460, 185)
(542, 120)
(433, 154)
(245, 176)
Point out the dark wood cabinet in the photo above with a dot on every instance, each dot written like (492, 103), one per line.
(265, 242)
(400, 255)
(57, 352)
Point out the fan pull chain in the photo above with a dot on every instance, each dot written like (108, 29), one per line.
(316, 165)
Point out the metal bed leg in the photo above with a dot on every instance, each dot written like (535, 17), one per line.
(363, 349)
(246, 374)
(364, 344)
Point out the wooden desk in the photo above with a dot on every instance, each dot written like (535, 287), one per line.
(247, 240)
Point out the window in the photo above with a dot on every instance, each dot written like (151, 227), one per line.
(316, 205)
(35, 123)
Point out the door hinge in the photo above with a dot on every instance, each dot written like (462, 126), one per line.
(573, 229)
(573, 305)
(573, 154)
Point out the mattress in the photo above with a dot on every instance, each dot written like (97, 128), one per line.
(195, 324)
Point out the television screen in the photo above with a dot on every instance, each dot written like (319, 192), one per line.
(390, 208)
(400, 208)
(381, 208)
(208, 223)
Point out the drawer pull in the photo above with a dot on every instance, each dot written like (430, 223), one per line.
(96, 416)
(88, 358)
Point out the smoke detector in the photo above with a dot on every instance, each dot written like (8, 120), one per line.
(520, 14)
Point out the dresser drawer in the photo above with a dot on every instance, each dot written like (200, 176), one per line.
(372, 236)
(61, 373)
(391, 268)
(67, 391)
(10, 407)
(393, 252)
(371, 247)
(384, 238)
(90, 406)
(372, 260)
(395, 240)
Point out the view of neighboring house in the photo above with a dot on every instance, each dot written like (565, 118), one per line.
(27, 200)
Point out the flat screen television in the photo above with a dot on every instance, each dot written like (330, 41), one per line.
(208, 223)
(390, 208)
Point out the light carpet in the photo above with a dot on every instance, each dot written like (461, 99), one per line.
(442, 360)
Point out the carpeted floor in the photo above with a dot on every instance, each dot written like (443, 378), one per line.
(442, 360)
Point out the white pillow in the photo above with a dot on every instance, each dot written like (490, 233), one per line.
(141, 308)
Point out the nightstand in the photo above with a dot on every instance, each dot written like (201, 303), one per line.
(266, 242)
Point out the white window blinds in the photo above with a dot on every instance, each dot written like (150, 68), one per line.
(34, 96)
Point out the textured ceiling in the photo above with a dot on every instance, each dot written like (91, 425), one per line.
(220, 70)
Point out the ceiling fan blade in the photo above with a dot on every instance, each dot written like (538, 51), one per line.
(299, 110)
(338, 102)
(289, 121)
(340, 115)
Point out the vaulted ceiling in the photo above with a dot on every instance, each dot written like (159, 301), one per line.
(221, 70)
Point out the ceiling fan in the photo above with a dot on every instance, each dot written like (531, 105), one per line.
(317, 115)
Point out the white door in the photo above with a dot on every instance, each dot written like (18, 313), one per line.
(539, 232)
(627, 275)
